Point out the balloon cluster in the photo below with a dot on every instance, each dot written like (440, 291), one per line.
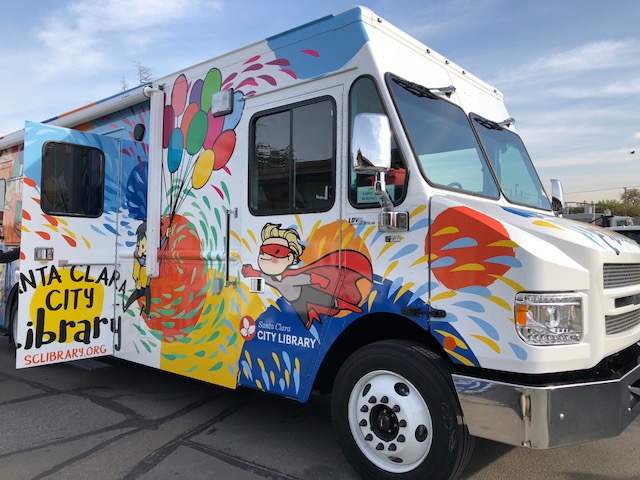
(189, 126)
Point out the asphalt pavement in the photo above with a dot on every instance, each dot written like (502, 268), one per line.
(114, 420)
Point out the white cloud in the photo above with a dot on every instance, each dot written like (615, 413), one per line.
(613, 89)
(598, 55)
(81, 50)
(87, 34)
(603, 55)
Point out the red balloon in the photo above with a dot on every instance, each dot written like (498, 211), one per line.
(179, 94)
(167, 125)
(213, 130)
(223, 148)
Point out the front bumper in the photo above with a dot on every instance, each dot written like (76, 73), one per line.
(550, 415)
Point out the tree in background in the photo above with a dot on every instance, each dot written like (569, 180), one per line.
(144, 76)
(629, 202)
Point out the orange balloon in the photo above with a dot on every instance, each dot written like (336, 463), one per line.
(186, 120)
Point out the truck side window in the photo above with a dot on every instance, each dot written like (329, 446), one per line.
(364, 98)
(292, 159)
(72, 180)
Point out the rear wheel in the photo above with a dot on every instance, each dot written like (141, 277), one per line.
(397, 416)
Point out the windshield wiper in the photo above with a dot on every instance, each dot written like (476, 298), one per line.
(491, 125)
(486, 123)
(416, 89)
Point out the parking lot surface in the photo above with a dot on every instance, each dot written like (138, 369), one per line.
(113, 420)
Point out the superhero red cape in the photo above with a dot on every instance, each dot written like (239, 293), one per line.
(337, 273)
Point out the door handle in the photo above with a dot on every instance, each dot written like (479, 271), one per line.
(227, 247)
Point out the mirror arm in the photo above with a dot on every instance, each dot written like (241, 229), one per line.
(381, 193)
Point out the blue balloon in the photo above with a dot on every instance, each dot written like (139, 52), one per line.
(231, 120)
(174, 155)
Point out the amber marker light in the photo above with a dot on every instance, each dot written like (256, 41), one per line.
(521, 315)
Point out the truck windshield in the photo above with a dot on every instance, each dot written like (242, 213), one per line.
(440, 133)
(450, 155)
(511, 164)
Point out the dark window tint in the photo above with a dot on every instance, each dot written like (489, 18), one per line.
(292, 168)
(72, 180)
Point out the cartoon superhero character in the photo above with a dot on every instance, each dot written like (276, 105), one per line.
(326, 286)
(140, 271)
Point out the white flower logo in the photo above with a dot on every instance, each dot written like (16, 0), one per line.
(247, 328)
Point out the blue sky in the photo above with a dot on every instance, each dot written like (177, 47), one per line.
(569, 69)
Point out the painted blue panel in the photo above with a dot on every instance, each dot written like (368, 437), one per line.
(323, 46)
(290, 346)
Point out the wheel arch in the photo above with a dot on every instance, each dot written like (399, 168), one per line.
(364, 331)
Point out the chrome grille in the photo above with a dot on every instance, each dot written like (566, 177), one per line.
(621, 274)
(621, 323)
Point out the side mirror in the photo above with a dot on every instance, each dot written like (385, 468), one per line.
(557, 197)
(371, 143)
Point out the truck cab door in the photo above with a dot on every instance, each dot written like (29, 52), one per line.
(68, 277)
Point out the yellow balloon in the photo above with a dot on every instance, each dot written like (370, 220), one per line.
(203, 168)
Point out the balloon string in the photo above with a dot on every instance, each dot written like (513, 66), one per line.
(184, 172)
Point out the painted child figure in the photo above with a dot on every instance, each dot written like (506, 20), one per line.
(140, 271)
(140, 268)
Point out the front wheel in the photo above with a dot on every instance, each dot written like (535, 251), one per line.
(396, 414)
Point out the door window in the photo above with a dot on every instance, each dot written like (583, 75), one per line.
(292, 159)
(72, 180)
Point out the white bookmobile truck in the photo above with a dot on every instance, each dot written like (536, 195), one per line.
(336, 208)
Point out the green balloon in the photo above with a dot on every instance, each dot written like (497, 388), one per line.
(212, 84)
(197, 132)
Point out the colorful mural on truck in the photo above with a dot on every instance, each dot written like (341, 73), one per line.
(199, 333)
(300, 281)
(194, 327)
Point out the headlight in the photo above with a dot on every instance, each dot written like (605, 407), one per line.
(549, 319)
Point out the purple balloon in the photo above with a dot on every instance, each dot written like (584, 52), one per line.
(196, 92)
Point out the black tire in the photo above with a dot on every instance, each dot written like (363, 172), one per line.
(397, 416)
